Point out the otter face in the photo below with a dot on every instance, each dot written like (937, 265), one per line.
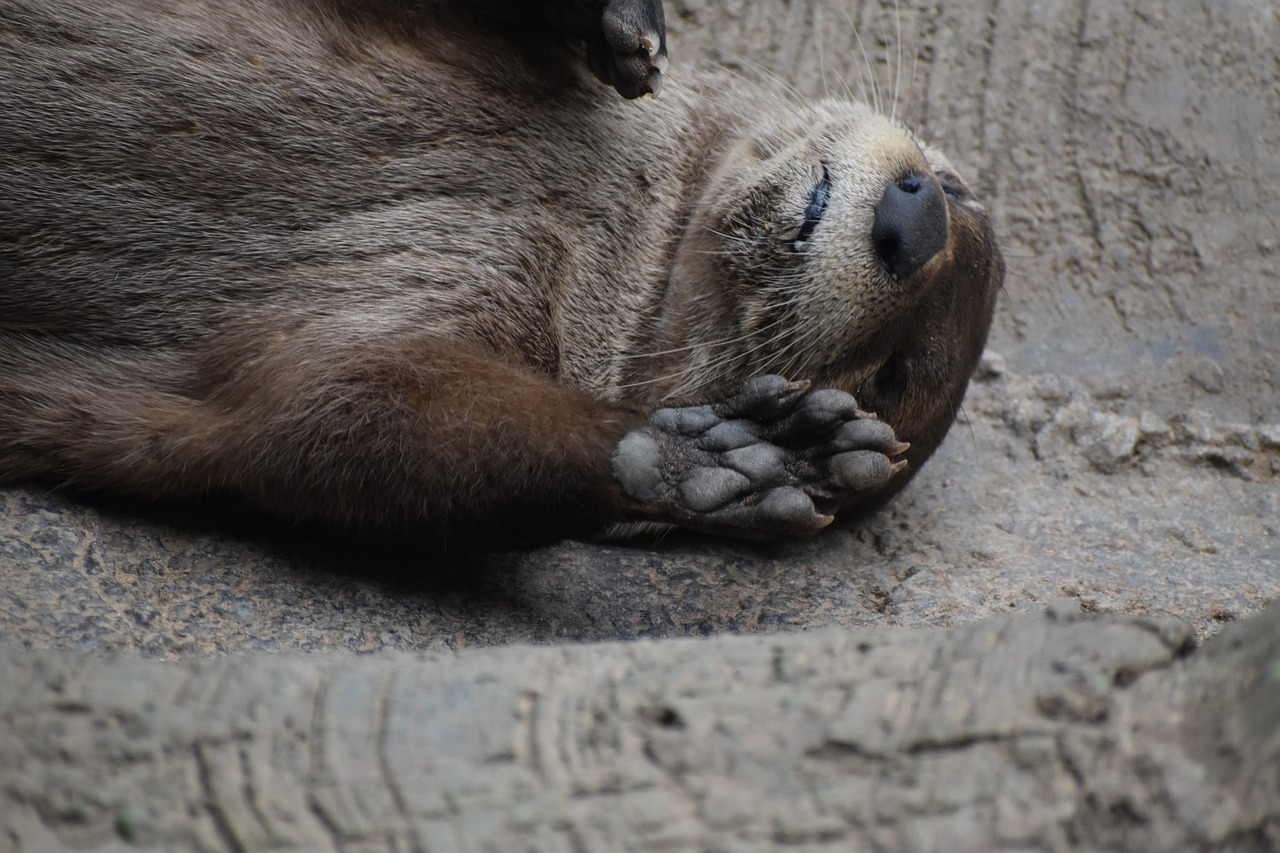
(837, 248)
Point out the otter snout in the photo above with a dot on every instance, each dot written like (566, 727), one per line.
(910, 225)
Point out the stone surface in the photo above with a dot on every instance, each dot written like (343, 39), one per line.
(1057, 732)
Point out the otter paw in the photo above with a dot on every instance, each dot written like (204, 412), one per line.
(772, 459)
(626, 43)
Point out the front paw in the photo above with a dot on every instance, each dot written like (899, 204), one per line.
(773, 459)
(626, 42)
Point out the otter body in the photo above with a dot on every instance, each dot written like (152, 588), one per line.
(413, 269)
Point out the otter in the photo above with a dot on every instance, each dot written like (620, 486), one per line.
(411, 269)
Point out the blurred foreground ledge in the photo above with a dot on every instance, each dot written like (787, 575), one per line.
(1057, 731)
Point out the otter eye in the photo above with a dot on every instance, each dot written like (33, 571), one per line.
(814, 209)
(953, 187)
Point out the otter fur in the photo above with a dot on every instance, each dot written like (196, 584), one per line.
(410, 268)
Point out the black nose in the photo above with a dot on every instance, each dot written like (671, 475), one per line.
(911, 225)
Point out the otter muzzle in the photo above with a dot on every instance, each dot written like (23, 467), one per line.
(910, 225)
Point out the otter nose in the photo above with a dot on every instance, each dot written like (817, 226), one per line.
(910, 226)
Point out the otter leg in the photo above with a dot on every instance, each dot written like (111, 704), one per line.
(626, 39)
(429, 437)
(772, 459)
(626, 43)
(405, 433)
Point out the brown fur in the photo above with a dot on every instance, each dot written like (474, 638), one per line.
(393, 269)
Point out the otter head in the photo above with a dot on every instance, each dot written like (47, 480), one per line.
(831, 245)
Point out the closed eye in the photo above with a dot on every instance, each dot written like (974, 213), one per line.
(813, 211)
(953, 187)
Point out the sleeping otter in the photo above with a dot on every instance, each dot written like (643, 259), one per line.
(409, 268)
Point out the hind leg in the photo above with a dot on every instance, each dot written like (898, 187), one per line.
(428, 436)
(626, 42)
(415, 435)
(626, 39)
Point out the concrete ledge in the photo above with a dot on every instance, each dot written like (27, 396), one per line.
(1054, 732)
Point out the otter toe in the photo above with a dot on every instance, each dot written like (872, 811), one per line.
(638, 466)
(790, 509)
(866, 434)
(763, 398)
(729, 435)
(706, 489)
(685, 420)
(761, 463)
(863, 470)
(817, 413)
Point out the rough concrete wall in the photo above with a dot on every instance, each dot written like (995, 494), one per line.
(1130, 152)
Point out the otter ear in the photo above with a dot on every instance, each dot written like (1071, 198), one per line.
(626, 40)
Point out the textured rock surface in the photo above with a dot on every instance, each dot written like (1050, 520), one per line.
(1121, 447)
(1046, 733)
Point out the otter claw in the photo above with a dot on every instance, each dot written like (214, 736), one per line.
(767, 460)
